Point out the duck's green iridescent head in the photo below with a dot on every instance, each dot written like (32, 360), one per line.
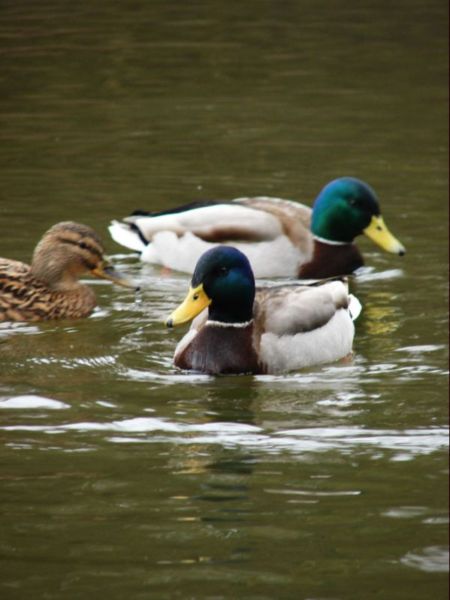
(347, 207)
(224, 281)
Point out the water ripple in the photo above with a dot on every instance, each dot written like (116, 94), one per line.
(83, 361)
(366, 275)
(433, 559)
(406, 443)
(32, 402)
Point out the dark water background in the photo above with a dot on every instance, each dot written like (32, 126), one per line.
(123, 478)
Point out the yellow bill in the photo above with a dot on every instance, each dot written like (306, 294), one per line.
(380, 234)
(193, 304)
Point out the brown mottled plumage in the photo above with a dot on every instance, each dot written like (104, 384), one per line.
(49, 288)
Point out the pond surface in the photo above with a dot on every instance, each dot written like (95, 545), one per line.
(124, 478)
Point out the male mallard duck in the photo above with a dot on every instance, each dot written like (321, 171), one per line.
(285, 328)
(49, 288)
(281, 238)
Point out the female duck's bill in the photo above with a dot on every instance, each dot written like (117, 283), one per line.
(286, 328)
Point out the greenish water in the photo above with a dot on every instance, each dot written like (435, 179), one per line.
(123, 478)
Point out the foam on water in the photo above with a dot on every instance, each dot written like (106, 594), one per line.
(32, 402)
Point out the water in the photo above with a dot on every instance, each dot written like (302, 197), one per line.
(123, 478)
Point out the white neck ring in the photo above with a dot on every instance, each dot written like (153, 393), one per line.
(330, 242)
(242, 325)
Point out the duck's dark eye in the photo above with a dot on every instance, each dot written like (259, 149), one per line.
(223, 270)
(83, 245)
(195, 297)
(353, 202)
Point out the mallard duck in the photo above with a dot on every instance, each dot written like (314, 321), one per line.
(49, 288)
(271, 330)
(281, 238)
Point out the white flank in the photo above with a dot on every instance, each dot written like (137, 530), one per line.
(326, 344)
(276, 258)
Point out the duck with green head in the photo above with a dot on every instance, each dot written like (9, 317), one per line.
(281, 238)
(237, 329)
(345, 209)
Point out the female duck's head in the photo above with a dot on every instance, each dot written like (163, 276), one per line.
(66, 252)
(223, 280)
(347, 207)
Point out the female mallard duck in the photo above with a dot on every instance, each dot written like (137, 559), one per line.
(49, 288)
(281, 238)
(284, 328)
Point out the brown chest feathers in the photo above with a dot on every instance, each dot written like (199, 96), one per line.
(330, 260)
(221, 349)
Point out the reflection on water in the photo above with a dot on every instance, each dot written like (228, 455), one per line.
(406, 444)
(32, 402)
(433, 559)
(381, 316)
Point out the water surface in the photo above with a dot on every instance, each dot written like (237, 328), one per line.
(124, 478)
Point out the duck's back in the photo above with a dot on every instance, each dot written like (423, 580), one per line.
(299, 326)
(295, 218)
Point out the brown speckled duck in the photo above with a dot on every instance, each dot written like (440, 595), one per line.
(49, 288)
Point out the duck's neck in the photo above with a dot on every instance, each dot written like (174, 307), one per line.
(229, 311)
(331, 259)
(56, 276)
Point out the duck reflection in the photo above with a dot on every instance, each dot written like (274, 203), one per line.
(230, 403)
(233, 400)
(382, 314)
(377, 330)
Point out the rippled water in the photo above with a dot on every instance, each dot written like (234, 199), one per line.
(125, 478)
